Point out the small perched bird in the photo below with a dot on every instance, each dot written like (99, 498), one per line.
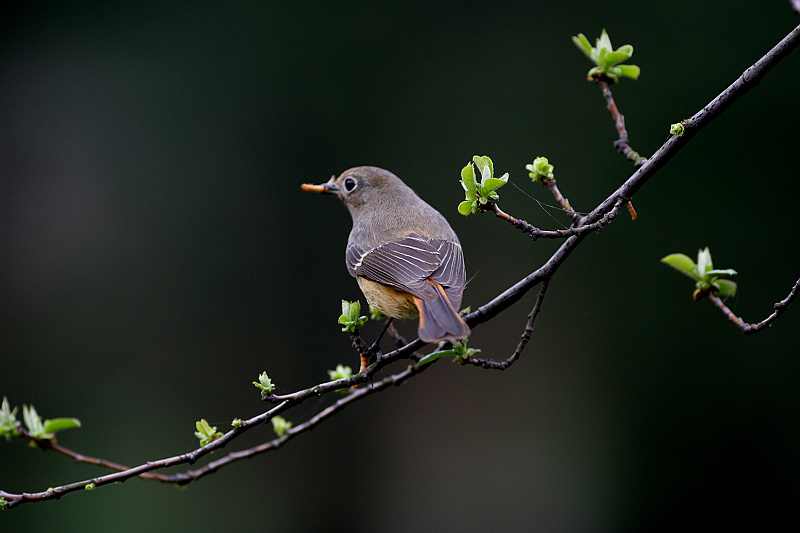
(405, 256)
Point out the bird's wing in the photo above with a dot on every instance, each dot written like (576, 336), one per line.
(451, 273)
(406, 265)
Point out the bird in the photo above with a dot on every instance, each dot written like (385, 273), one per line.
(406, 258)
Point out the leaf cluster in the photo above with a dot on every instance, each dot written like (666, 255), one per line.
(37, 428)
(351, 318)
(264, 383)
(459, 349)
(206, 433)
(707, 278)
(479, 193)
(606, 58)
(280, 425)
(341, 372)
(541, 170)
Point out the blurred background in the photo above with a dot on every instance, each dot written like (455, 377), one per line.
(157, 254)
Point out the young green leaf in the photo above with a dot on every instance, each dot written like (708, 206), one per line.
(350, 319)
(717, 272)
(682, 263)
(541, 170)
(583, 45)
(704, 263)
(459, 349)
(34, 424)
(205, 432)
(264, 383)
(626, 50)
(613, 58)
(466, 208)
(8, 420)
(431, 357)
(490, 184)
(726, 288)
(60, 424)
(280, 425)
(677, 129)
(485, 166)
(468, 180)
(606, 58)
(629, 71)
(478, 194)
(703, 272)
(374, 314)
(341, 372)
(604, 42)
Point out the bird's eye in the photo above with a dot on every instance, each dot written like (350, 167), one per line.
(350, 184)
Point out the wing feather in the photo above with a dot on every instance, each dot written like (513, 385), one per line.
(406, 265)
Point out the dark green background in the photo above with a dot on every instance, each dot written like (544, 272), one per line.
(157, 254)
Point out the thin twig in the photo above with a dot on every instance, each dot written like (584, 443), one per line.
(750, 329)
(361, 348)
(284, 403)
(725, 309)
(50, 444)
(356, 394)
(405, 352)
(12, 500)
(622, 144)
(780, 308)
(747, 80)
(399, 340)
(191, 475)
(537, 233)
(560, 198)
(523, 341)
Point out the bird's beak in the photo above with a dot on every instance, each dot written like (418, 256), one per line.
(325, 188)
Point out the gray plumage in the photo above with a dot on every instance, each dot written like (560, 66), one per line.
(401, 242)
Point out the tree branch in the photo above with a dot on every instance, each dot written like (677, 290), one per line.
(751, 77)
(716, 300)
(622, 144)
(780, 308)
(574, 236)
(50, 444)
(525, 337)
(537, 233)
(352, 396)
(12, 500)
(749, 329)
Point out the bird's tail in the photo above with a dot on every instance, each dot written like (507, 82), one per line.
(438, 321)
